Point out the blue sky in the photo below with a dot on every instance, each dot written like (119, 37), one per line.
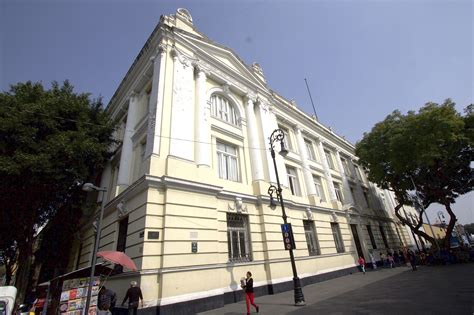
(362, 59)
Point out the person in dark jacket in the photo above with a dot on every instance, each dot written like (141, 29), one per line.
(134, 294)
(249, 295)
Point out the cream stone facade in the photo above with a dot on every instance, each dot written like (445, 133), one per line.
(187, 189)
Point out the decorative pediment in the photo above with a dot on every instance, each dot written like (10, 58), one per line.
(223, 59)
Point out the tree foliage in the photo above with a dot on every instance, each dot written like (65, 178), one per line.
(469, 228)
(430, 150)
(51, 141)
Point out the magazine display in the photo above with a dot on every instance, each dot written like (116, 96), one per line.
(74, 295)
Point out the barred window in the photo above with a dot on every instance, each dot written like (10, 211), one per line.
(336, 233)
(311, 237)
(227, 162)
(238, 238)
(223, 109)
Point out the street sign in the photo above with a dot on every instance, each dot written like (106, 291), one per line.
(288, 240)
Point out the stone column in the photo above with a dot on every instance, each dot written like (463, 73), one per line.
(255, 149)
(202, 131)
(155, 108)
(308, 177)
(280, 161)
(327, 173)
(182, 109)
(348, 198)
(127, 146)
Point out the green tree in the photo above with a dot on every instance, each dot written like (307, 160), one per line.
(431, 150)
(469, 228)
(51, 141)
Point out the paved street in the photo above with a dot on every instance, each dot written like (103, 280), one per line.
(430, 290)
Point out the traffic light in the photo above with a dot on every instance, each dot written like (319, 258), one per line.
(288, 239)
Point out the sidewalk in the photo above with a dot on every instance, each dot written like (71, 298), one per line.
(283, 303)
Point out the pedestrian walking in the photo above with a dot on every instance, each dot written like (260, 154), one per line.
(372, 260)
(134, 295)
(106, 301)
(383, 259)
(390, 261)
(412, 257)
(247, 285)
(362, 264)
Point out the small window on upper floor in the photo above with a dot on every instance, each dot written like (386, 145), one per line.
(286, 138)
(345, 166)
(309, 150)
(329, 159)
(223, 109)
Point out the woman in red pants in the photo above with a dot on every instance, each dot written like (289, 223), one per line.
(249, 296)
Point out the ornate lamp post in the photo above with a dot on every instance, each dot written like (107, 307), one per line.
(278, 135)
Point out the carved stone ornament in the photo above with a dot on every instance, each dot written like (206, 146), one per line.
(184, 14)
(226, 88)
(121, 209)
(238, 205)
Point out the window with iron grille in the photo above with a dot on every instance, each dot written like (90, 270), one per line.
(311, 237)
(238, 237)
(336, 233)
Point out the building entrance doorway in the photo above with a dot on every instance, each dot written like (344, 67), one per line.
(355, 234)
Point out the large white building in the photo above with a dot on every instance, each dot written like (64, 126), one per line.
(187, 191)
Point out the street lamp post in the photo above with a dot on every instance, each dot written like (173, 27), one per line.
(90, 187)
(278, 135)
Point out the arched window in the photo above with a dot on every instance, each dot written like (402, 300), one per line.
(223, 109)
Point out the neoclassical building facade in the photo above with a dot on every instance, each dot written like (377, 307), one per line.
(187, 190)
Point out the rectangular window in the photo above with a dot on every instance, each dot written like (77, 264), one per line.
(293, 181)
(384, 237)
(238, 238)
(345, 166)
(338, 191)
(371, 235)
(227, 162)
(121, 241)
(336, 233)
(357, 171)
(366, 196)
(286, 138)
(329, 159)
(319, 187)
(311, 237)
(309, 150)
(353, 194)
